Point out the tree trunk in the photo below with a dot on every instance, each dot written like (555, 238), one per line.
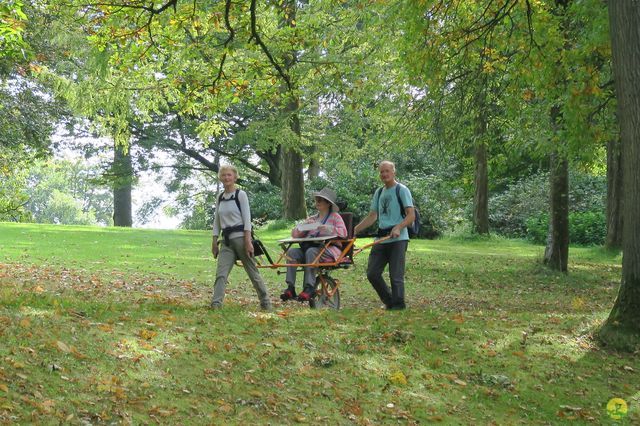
(481, 197)
(313, 172)
(293, 203)
(122, 184)
(481, 177)
(556, 254)
(614, 195)
(622, 328)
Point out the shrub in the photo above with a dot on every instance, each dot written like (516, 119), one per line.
(514, 212)
(585, 228)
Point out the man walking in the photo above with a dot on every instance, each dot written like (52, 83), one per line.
(392, 222)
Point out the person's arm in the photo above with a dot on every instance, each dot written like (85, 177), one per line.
(409, 211)
(248, 243)
(369, 220)
(408, 220)
(334, 226)
(216, 232)
(296, 233)
(246, 221)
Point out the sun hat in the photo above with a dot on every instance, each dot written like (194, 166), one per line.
(329, 195)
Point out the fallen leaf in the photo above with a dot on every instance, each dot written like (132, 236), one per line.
(63, 346)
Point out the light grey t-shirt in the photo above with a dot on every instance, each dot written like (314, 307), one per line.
(227, 214)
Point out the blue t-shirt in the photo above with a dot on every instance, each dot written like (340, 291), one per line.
(385, 203)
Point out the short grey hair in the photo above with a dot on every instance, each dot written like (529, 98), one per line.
(226, 167)
(387, 163)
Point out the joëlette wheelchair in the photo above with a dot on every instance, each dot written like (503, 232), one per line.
(327, 288)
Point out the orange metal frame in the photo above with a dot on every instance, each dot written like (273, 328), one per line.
(343, 259)
(347, 245)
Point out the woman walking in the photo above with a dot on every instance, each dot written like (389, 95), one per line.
(232, 238)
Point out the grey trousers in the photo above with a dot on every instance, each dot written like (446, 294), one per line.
(299, 256)
(226, 259)
(392, 254)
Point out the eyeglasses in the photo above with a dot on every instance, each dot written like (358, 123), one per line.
(320, 199)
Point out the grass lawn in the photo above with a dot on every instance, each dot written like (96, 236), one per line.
(110, 326)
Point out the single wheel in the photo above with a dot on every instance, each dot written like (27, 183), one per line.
(327, 294)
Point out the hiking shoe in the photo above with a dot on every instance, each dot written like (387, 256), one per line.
(397, 307)
(304, 297)
(288, 294)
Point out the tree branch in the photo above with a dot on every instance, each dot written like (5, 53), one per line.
(255, 36)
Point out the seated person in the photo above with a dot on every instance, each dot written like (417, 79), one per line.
(329, 223)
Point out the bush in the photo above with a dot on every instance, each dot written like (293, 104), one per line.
(266, 202)
(585, 228)
(518, 210)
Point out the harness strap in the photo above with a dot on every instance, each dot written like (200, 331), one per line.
(230, 229)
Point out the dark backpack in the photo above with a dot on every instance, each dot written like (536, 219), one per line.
(414, 228)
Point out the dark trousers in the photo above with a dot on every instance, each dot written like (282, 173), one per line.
(392, 254)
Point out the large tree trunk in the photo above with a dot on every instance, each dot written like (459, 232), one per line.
(614, 195)
(122, 184)
(481, 195)
(556, 254)
(622, 328)
(481, 177)
(313, 170)
(293, 203)
(481, 173)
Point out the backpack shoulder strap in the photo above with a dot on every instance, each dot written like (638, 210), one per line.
(376, 195)
(402, 212)
(235, 198)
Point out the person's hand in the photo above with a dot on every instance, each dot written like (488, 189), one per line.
(215, 250)
(356, 230)
(325, 228)
(395, 232)
(248, 246)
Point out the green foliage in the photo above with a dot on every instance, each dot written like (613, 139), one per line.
(68, 192)
(62, 208)
(537, 228)
(13, 181)
(27, 115)
(585, 228)
(12, 23)
(265, 201)
(520, 208)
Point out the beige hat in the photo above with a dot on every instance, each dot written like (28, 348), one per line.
(329, 195)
